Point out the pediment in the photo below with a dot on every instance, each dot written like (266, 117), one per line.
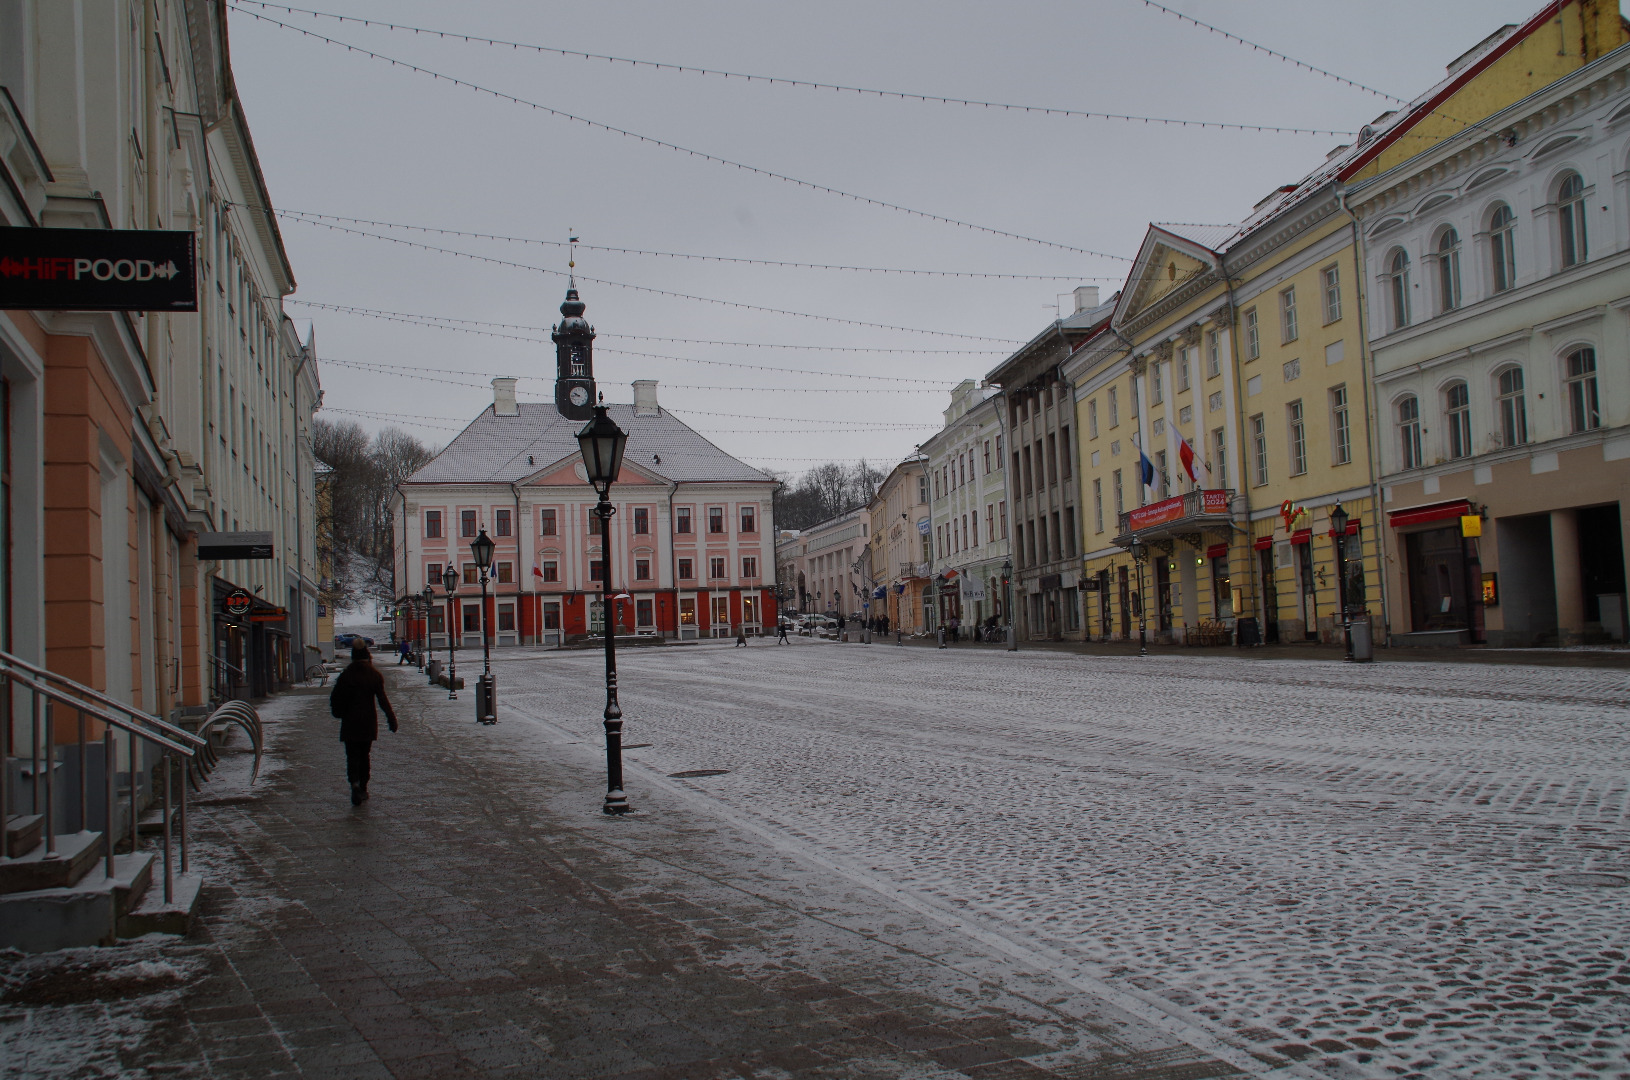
(1164, 264)
(568, 472)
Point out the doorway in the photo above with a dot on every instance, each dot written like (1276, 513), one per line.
(1305, 584)
(1270, 598)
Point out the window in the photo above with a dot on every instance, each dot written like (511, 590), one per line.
(1183, 357)
(687, 569)
(1002, 509)
(1092, 419)
(990, 521)
(642, 569)
(1052, 460)
(1583, 407)
(1215, 402)
(1398, 287)
(1409, 432)
(1259, 447)
(1448, 271)
(749, 609)
(1185, 415)
(1213, 355)
(642, 520)
(749, 519)
(687, 611)
(1026, 471)
(1287, 313)
(1253, 335)
(975, 516)
(1069, 532)
(500, 522)
(1331, 278)
(432, 524)
(597, 525)
(1341, 430)
(506, 573)
(1097, 506)
(1570, 220)
(1293, 370)
(682, 519)
(546, 523)
(1064, 450)
(1058, 544)
(506, 617)
(922, 488)
(998, 452)
(472, 576)
(597, 570)
(1161, 479)
(1457, 407)
(1120, 492)
(551, 570)
(721, 610)
(432, 574)
(466, 523)
(749, 567)
(1513, 408)
(1157, 392)
(1038, 544)
(716, 567)
(1114, 407)
(472, 618)
(1502, 248)
(644, 613)
(715, 519)
(1219, 457)
(987, 457)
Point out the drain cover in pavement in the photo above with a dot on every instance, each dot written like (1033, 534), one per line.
(1593, 881)
(635, 745)
(697, 772)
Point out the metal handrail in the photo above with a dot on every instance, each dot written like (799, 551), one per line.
(90, 704)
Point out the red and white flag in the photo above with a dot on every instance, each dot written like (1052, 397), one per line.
(536, 572)
(1185, 454)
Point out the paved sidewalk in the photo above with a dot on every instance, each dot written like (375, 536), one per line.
(480, 917)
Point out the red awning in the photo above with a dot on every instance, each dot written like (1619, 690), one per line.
(1263, 544)
(1439, 511)
(1216, 551)
(1302, 536)
(1352, 529)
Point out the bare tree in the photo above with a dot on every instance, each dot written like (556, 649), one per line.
(365, 472)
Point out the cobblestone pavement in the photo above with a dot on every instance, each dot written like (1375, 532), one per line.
(480, 917)
(1373, 870)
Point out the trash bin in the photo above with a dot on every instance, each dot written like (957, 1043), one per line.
(432, 668)
(484, 707)
(1247, 632)
(1363, 643)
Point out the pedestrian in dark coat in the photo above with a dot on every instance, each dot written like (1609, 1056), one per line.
(352, 700)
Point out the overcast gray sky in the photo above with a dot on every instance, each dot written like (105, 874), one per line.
(340, 133)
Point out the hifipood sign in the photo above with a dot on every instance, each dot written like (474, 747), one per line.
(98, 270)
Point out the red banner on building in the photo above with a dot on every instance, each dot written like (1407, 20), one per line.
(1213, 502)
(1157, 513)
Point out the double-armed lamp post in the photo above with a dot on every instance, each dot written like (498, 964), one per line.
(428, 600)
(1007, 604)
(449, 581)
(487, 709)
(601, 442)
(1140, 552)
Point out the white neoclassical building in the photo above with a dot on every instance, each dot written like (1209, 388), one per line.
(1498, 267)
(969, 511)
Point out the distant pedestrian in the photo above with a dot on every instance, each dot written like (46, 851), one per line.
(406, 651)
(741, 636)
(352, 701)
(781, 633)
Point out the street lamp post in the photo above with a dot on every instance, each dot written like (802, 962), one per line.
(601, 443)
(1140, 552)
(428, 599)
(486, 708)
(449, 581)
(1007, 604)
(1338, 529)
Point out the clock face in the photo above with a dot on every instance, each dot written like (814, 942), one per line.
(579, 395)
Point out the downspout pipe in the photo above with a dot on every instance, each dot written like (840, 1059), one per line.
(1372, 422)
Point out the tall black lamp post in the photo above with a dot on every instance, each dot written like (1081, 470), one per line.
(1338, 529)
(601, 442)
(481, 551)
(428, 599)
(1140, 552)
(449, 581)
(1007, 604)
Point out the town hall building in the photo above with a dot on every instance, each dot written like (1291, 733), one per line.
(692, 540)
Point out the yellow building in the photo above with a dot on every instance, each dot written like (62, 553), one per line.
(1231, 415)
(901, 557)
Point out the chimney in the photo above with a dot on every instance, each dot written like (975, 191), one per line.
(1086, 298)
(645, 398)
(503, 398)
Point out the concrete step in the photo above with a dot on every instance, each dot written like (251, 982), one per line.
(132, 878)
(76, 853)
(154, 916)
(83, 914)
(23, 831)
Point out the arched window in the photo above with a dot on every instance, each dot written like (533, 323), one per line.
(1409, 431)
(1570, 219)
(1457, 408)
(1513, 408)
(1398, 279)
(1583, 407)
(1502, 234)
(1448, 271)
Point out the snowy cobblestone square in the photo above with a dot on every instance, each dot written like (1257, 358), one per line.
(1374, 870)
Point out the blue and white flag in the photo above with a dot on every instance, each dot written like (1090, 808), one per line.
(1146, 469)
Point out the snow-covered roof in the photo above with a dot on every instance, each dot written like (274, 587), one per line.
(505, 449)
(1210, 237)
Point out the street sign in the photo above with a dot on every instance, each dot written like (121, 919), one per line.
(98, 270)
(235, 545)
(237, 603)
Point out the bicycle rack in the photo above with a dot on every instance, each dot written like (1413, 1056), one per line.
(235, 712)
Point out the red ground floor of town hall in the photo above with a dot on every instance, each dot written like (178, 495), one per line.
(532, 618)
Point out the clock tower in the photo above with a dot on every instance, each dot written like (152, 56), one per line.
(574, 360)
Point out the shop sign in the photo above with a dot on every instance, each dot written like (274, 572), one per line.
(1471, 525)
(1491, 590)
(98, 270)
(235, 545)
(237, 603)
(1049, 582)
(1158, 513)
(269, 615)
(1213, 502)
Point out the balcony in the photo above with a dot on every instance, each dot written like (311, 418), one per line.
(913, 570)
(1186, 518)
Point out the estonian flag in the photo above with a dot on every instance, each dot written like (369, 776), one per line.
(1146, 469)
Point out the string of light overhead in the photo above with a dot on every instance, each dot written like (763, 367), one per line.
(404, 370)
(904, 271)
(674, 147)
(806, 84)
(511, 264)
